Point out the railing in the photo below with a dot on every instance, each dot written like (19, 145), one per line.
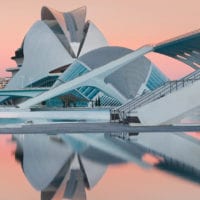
(167, 88)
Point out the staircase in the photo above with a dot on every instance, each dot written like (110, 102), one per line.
(168, 88)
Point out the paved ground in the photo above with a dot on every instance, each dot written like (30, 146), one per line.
(59, 128)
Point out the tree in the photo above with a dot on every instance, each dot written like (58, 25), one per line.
(99, 101)
(96, 103)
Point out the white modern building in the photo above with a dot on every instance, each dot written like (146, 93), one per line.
(62, 47)
(65, 61)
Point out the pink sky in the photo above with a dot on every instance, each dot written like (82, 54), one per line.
(127, 23)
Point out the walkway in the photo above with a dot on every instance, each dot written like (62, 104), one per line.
(65, 128)
(173, 98)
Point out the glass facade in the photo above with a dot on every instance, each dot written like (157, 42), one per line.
(45, 82)
(109, 101)
(87, 92)
(156, 79)
(83, 95)
(75, 70)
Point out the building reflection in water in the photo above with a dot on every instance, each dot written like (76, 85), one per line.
(64, 166)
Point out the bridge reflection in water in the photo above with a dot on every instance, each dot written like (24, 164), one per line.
(64, 166)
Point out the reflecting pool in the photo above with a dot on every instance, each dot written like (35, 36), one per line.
(100, 166)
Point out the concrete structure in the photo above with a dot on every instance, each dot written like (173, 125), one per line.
(174, 94)
(74, 71)
(184, 48)
(61, 47)
(174, 100)
(90, 79)
(177, 111)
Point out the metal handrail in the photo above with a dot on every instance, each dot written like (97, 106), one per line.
(163, 90)
(171, 87)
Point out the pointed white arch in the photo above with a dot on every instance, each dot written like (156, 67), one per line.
(51, 14)
(94, 39)
(43, 53)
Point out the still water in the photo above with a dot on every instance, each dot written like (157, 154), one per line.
(98, 166)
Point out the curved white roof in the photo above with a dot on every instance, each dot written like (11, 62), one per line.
(60, 38)
(126, 80)
(80, 35)
(89, 77)
(54, 42)
(94, 39)
(51, 14)
(77, 18)
(43, 52)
